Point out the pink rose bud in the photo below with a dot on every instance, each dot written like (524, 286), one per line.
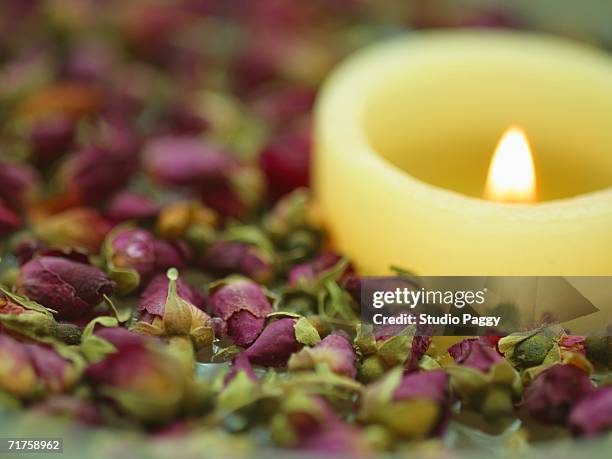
(154, 296)
(130, 255)
(592, 415)
(311, 270)
(223, 258)
(335, 350)
(69, 287)
(474, 353)
(187, 161)
(178, 317)
(127, 205)
(553, 393)
(243, 307)
(275, 344)
(144, 382)
(32, 370)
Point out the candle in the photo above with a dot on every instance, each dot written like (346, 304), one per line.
(404, 136)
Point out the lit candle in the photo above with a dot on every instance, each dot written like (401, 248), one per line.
(404, 137)
(512, 176)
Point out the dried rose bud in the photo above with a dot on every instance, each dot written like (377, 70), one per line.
(307, 422)
(17, 183)
(27, 248)
(526, 351)
(414, 406)
(312, 270)
(243, 306)
(69, 287)
(9, 220)
(286, 163)
(95, 173)
(17, 374)
(153, 298)
(51, 138)
(335, 350)
(550, 397)
(592, 415)
(176, 316)
(187, 161)
(79, 228)
(130, 256)
(127, 205)
(23, 318)
(223, 258)
(275, 344)
(32, 370)
(474, 353)
(144, 381)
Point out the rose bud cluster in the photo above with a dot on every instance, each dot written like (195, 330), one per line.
(69, 287)
(413, 406)
(242, 305)
(30, 371)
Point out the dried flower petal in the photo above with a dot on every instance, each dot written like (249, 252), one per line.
(592, 415)
(275, 344)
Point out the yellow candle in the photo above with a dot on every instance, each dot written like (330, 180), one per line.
(405, 132)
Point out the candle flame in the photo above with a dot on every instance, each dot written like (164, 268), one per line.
(511, 175)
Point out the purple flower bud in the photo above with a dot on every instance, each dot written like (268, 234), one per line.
(286, 163)
(17, 182)
(224, 258)
(592, 415)
(29, 370)
(144, 382)
(552, 394)
(186, 161)
(429, 385)
(50, 138)
(96, 172)
(26, 249)
(336, 350)
(127, 205)
(474, 353)
(432, 385)
(420, 345)
(243, 307)
(69, 287)
(154, 297)
(9, 220)
(171, 254)
(275, 344)
(133, 249)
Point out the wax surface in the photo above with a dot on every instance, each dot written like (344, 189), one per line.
(404, 135)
